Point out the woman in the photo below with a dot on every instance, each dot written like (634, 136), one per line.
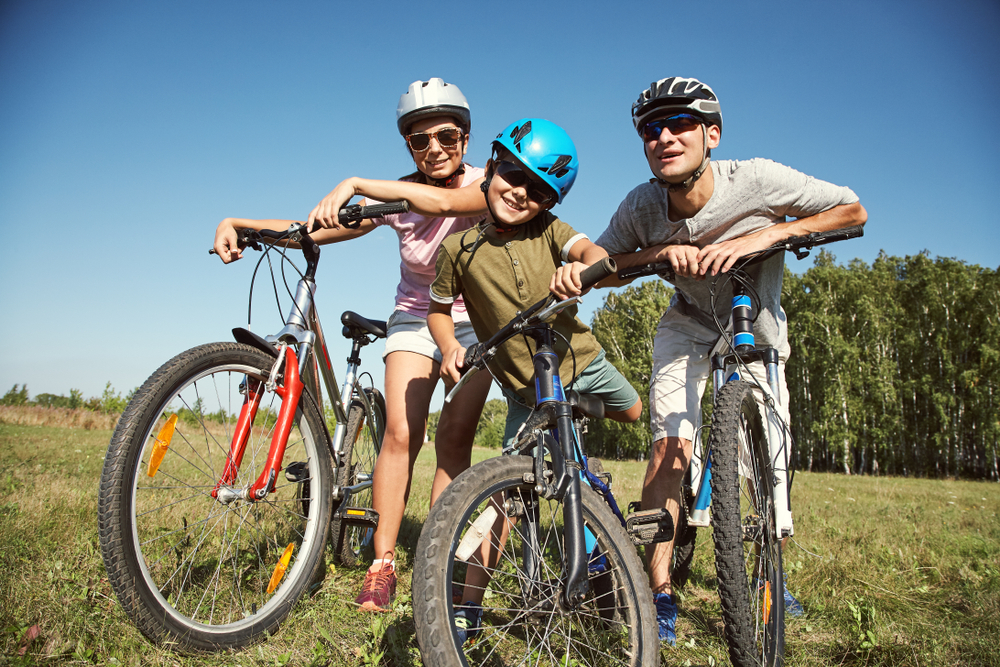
(434, 118)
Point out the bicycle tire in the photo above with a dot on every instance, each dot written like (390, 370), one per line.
(616, 625)
(191, 571)
(362, 443)
(684, 543)
(747, 551)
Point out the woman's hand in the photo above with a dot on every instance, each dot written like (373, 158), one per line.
(326, 213)
(226, 242)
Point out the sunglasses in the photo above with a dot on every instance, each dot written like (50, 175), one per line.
(446, 138)
(678, 124)
(516, 177)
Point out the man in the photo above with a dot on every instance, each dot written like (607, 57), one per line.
(701, 216)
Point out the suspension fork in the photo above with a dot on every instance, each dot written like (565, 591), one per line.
(549, 389)
(290, 392)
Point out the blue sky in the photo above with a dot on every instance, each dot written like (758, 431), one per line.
(128, 130)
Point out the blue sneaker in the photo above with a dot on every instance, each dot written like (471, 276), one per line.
(468, 621)
(793, 607)
(666, 617)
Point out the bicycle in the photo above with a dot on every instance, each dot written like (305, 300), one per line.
(206, 547)
(744, 474)
(552, 558)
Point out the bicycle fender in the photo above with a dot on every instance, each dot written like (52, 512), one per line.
(248, 337)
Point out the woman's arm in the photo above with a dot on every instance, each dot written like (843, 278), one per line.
(427, 200)
(227, 248)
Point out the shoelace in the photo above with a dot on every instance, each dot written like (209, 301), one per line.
(374, 579)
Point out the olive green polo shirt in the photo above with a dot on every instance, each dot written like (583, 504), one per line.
(499, 278)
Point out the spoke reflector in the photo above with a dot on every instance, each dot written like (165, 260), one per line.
(476, 534)
(279, 569)
(767, 601)
(160, 446)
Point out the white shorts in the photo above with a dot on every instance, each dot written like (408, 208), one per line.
(681, 367)
(409, 333)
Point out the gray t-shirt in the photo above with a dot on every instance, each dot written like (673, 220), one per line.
(749, 195)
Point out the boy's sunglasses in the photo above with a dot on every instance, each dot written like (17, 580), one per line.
(446, 138)
(516, 177)
(682, 122)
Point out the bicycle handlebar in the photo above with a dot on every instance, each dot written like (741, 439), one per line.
(800, 245)
(349, 216)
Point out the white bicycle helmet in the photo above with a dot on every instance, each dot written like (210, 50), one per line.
(676, 94)
(433, 97)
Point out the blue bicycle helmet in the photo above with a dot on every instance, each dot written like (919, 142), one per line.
(545, 148)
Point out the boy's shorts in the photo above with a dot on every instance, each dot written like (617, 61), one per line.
(681, 367)
(600, 378)
(409, 333)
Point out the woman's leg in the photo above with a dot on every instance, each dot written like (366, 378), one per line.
(410, 379)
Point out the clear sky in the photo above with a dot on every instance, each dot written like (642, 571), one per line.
(128, 130)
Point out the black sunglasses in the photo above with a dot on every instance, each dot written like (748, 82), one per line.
(446, 138)
(516, 177)
(682, 122)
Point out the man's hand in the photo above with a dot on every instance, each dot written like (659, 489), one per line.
(226, 242)
(720, 257)
(683, 259)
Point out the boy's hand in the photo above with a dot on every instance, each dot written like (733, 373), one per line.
(452, 361)
(226, 242)
(566, 281)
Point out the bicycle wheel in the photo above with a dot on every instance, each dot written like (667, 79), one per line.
(747, 552)
(523, 620)
(189, 570)
(362, 442)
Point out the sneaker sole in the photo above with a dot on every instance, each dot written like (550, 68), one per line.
(370, 606)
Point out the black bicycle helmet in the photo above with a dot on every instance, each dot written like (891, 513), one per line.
(676, 94)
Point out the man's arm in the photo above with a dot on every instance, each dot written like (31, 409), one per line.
(683, 259)
(720, 257)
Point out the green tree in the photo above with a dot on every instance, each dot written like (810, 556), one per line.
(15, 396)
(625, 325)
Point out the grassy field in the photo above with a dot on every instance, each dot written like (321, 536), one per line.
(891, 572)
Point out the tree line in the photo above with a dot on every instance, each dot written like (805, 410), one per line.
(893, 369)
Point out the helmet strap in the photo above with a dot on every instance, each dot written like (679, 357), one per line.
(447, 181)
(485, 187)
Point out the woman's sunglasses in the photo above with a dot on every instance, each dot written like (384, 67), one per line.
(446, 138)
(516, 177)
(682, 122)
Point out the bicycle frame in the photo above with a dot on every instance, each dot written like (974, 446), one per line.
(303, 331)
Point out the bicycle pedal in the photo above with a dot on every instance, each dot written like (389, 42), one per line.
(649, 526)
(297, 472)
(360, 516)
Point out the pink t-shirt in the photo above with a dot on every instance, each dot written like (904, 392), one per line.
(419, 240)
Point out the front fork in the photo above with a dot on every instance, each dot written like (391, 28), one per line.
(290, 391)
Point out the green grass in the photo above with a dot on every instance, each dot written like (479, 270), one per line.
(891, 572)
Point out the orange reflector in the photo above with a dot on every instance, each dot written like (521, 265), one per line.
(356, 512)
(160, 446)
(767, 601)
(279, 569)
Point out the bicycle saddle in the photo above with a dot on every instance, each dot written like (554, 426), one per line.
(354, 325)
(589, 404)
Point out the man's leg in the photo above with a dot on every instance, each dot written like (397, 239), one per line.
(662, 489)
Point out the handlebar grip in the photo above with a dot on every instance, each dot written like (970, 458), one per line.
(595, 273)
(473, 356)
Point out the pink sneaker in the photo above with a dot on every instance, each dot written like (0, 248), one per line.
(378, 590)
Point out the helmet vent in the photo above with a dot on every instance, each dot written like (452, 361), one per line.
(558, 166)
(519, 133)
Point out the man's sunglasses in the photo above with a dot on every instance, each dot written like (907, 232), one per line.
(446, 138)
(516, 177)
(682, 122)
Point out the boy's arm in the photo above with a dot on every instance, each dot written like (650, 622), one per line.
(721, 256)
(228, 249)
(442, 329)
(565, 281)
(424, 199)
